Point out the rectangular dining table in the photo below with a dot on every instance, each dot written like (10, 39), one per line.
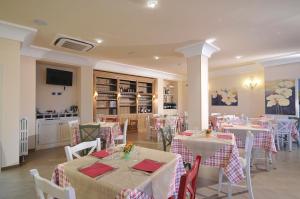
(215, 152)
(108, 131)
(124, 181)
(263, 136)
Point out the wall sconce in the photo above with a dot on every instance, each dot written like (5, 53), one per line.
(138, 95)
(251, 83)
(95, 94)
(119, 95)
(153, 96)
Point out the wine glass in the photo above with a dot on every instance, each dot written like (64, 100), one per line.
(136, 154)
(110, 148)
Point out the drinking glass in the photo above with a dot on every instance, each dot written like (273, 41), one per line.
(136, 154)
(110, 150)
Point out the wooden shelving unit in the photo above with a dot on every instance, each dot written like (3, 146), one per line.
(170, 100)
(120, 94)
(106, 101)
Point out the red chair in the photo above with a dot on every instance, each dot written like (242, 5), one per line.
(188, 182)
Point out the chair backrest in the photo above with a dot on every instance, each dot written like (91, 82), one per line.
(297, 121)
(213, 121)
(44, 186)
(73, 151)
(89, 132)
(166, 136)
(188, 181)
(73, 126)
(248, 148)
(283, 126)
(125, 131)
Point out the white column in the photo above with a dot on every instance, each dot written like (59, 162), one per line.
(86, 94)
(10, 101)
(197, 77)
(159, 96)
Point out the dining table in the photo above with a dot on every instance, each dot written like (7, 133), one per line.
(217, 150)
(263, 136)
(108, 131)
(124, 181)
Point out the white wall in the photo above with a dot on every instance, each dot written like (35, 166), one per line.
(250, 102)
(44, 98)
(28, 95)
(10, 101)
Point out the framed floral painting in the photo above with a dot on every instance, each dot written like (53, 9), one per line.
(280, 97)
(224, 97)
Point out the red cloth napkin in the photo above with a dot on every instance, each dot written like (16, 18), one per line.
(96, 169)
(148, 165)
(186, 133)
(224, 136)
(100, 154)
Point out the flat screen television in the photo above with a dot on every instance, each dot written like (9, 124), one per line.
(59, 77)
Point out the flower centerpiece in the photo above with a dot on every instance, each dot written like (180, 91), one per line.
(127, 149)
(208, 133)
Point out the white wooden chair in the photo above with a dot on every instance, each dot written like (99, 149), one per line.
(45, 187)
(73, 151)
(73, 126)
(246, 163)
(283, 133)
(152, 132)
(123, 137)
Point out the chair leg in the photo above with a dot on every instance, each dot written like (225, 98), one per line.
(229, 190)
(249, 184)
(268, 160)
(220, 180)
(278, 143)
(290, 141)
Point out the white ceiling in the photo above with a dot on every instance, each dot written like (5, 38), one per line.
(133, 34)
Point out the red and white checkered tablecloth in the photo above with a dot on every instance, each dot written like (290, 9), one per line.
(226, 157)
(262, 140)
(60, 179)
(107, 133)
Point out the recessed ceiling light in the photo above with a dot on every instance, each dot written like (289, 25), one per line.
(210, 40)
(40, 22)
(238, 57)
(99, 41)
(156, 57)
(152, 3)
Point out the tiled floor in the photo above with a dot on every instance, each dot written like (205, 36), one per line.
(280, 183)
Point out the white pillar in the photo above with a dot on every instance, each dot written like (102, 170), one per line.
(10, 101)
(86, 94)
(197, 77)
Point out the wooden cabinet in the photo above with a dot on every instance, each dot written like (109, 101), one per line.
(48, 132)
(64, 132)
(52, 133)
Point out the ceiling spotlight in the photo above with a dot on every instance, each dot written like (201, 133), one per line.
(210, 40)
(99, 41)
(152, 3)
(156, 57)
(238, 57)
